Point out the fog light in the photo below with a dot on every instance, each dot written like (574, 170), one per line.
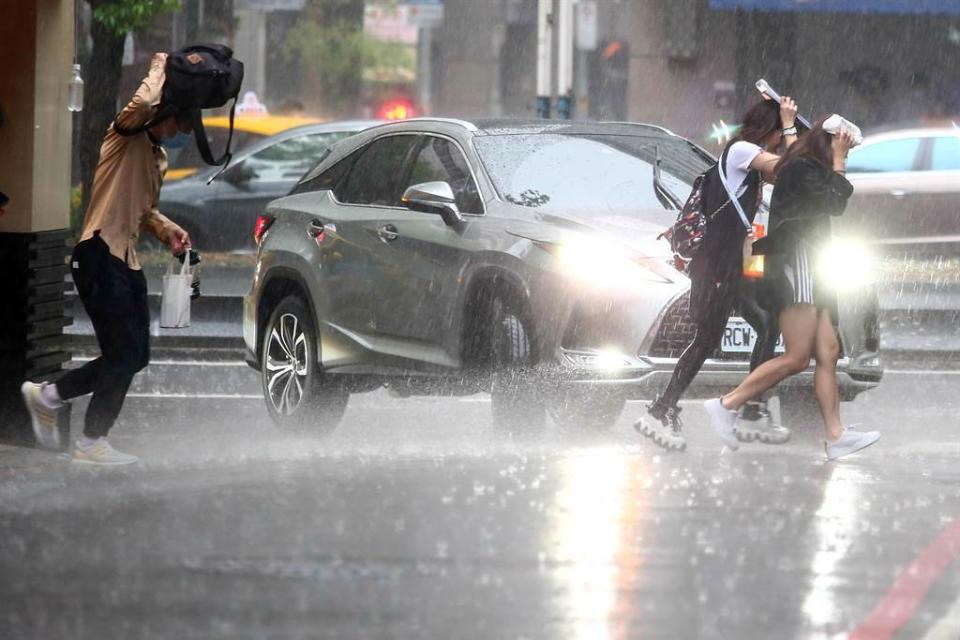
(606, 359)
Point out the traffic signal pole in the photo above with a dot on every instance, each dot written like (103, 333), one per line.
(544, 57)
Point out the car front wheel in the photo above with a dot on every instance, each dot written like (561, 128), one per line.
(516, 403)
(297, 394)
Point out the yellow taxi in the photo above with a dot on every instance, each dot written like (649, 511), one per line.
(247, 129)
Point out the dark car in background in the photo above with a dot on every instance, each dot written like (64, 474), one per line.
(521, 258)
(906, 197)
(219, 216)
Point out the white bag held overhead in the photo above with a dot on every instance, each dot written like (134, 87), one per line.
(175, 304)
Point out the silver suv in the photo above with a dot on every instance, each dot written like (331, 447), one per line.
(519, 258)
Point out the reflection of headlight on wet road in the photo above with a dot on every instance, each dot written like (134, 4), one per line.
(847, 264)
(602, 264)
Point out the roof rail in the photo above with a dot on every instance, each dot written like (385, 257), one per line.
(462, 123)
(642, 124)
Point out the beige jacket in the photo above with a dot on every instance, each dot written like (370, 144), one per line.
(126, 185)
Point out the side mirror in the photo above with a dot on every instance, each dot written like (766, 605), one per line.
(433, 197)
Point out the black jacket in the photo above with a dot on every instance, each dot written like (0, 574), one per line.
(806, 194)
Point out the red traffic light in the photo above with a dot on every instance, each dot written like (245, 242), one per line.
(397, 109)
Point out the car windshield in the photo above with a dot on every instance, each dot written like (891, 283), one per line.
(587, 174)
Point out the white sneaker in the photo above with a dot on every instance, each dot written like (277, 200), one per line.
(666, 431)
(850, 441)
(101, 452)
(723, 421)
(42, 417)
(764, 430)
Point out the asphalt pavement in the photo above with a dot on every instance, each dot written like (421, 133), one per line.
(415, 519)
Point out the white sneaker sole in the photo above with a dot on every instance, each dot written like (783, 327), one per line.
(641, 427)
(765, 436)
(99, 463)
(718, 415)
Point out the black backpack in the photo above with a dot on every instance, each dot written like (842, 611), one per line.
(203, 76)
(686, 235)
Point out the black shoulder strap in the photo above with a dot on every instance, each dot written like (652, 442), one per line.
(203, 145)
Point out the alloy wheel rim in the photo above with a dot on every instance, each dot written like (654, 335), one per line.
(286, 365)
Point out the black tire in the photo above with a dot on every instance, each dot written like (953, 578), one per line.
(295, 390)
(586, 411)
(516, 403)
(800, 413)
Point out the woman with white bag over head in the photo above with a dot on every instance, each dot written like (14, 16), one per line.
(810, 188)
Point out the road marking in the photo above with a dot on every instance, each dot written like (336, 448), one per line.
(910, 587)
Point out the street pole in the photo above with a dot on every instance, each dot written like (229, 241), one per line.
(544, 56)
(565, 58)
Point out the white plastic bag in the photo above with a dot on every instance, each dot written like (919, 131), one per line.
(175, 303)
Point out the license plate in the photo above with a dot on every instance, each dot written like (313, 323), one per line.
(739, 337)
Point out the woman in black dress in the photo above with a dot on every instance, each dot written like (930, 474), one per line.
(810, 188)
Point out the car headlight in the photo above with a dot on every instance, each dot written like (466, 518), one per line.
(847, 264)
(600, 263)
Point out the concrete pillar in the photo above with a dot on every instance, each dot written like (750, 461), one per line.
(36, 45)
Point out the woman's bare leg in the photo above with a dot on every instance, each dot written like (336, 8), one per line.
(826, 352)
(798, 323)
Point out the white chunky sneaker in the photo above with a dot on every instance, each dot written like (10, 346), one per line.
(101, 452)
(763, 429)
(665, 431)
(42, 417)
(850, 441)
(722, 420)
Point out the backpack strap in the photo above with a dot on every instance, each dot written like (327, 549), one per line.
(203, 145)
(726, 185)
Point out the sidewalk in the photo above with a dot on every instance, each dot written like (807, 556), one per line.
(918, 319)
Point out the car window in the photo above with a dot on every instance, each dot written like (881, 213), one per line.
(440, 159)
(882, 157)
(373, 177)
(291, 158)
(188, 156)
(946, 154)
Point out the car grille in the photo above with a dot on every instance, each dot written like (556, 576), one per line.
(676, 332)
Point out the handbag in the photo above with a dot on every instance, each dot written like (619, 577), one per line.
(175, 301)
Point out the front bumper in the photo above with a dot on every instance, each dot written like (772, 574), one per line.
(644, 378)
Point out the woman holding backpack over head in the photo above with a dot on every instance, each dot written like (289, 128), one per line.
(716, 268)
(811, 188)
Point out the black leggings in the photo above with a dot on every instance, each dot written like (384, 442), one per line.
(115, 298)
(711, 315)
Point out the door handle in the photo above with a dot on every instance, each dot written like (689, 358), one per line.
(899, 193)
(387, 233)
(316, 228)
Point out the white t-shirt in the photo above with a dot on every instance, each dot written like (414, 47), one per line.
(739, 157)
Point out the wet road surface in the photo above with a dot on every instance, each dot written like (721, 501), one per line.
(416, 519)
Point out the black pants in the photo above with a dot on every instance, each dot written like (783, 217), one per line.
(115, 298)
(711, 304)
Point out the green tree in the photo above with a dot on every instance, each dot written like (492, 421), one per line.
(112, 20)
(331, 43)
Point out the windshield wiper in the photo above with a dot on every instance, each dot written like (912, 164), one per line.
(667, 198)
